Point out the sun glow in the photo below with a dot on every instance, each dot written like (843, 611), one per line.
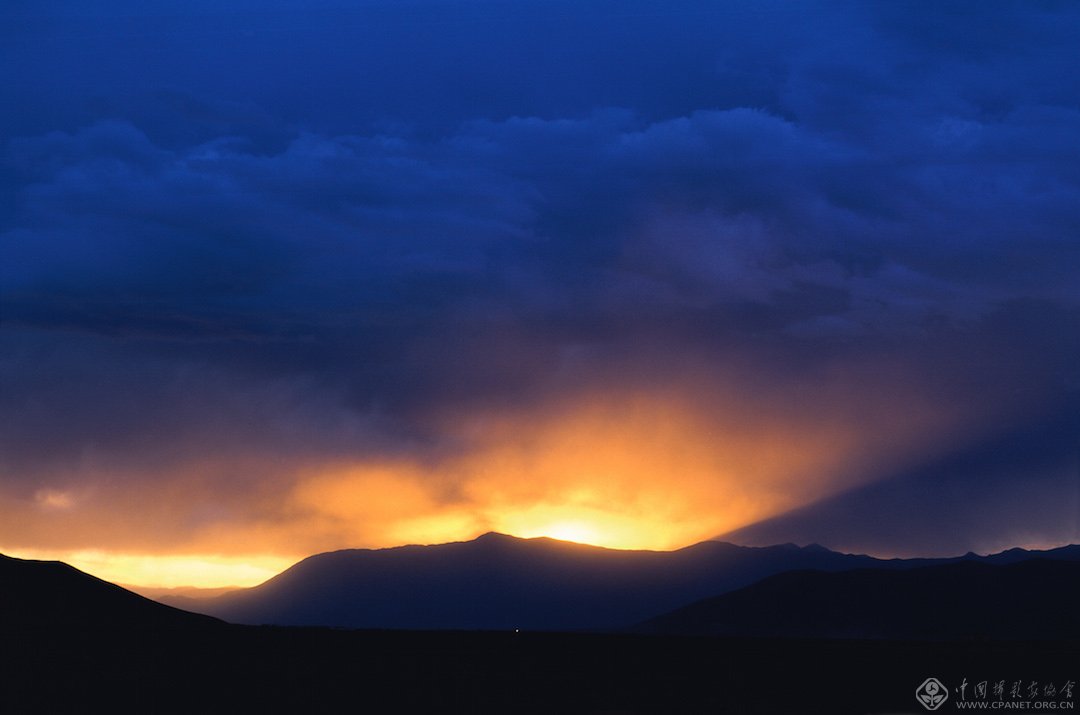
(644, 470)
(588, 525)
(570, 531)
(573, 531)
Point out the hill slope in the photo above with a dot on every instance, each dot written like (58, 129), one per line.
(502, 582)
(54, 595)
(1027, 600)
(505, 583)
(91, 663)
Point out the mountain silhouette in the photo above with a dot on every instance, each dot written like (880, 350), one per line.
(1031, 599)
(51, 594)
(500, 582)
(73, 643)
(504, 583)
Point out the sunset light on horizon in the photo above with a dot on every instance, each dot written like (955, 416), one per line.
(582, 470)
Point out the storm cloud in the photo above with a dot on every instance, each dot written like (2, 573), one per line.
(247, 246)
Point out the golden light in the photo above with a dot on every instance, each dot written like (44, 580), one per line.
(572, 531)
(656, 469)
(166, 571)
(585, 525)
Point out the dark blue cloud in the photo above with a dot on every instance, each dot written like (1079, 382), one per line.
(393, 207)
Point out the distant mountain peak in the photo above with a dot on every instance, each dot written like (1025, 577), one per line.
(496, 536)
(813, 548)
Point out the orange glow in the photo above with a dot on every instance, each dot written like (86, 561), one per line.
(206, 571)
(586, 527)
(655, 469)
(577, 531)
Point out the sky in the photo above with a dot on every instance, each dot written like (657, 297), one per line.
(283, 277)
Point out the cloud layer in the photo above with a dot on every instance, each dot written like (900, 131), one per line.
(323, 276)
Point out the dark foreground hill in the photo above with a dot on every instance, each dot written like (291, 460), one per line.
(51, 594)
(111, 658)
(499, 582)
(1034, 599)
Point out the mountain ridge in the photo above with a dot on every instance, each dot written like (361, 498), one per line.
(501, 582)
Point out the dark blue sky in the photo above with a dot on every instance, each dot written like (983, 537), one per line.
(247, 245)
